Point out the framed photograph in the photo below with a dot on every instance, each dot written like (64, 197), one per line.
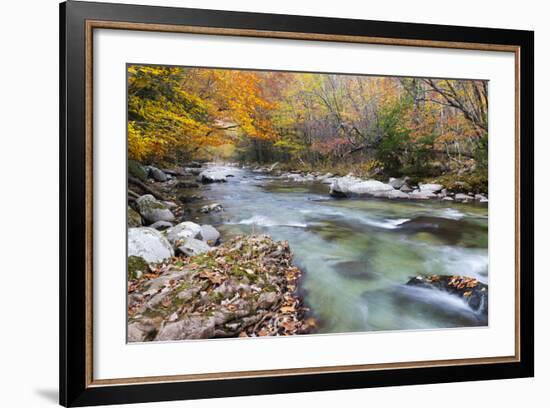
(256, 203)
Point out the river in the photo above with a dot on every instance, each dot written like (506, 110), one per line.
(358, 254)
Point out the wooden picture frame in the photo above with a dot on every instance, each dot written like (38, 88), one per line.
(78, 20)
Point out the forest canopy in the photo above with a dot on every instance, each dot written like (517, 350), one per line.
(388, 125)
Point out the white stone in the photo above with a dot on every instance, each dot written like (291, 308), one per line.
(149, 244)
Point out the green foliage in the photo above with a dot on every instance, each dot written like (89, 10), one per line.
(396, 137)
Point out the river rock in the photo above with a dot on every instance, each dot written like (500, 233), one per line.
(349, 185)
(472, 291)
(182, 231)
(463, 197)
(209, 234)
(148, 244)
(394, 194)
(447, 198)
(406, 188)
(431, 188)
(161, 225)
(153, 210)
(214, 207)
(192, 246)
(480, 197)
(157, 174)
(422, 195)
(134, 219)
(397, 183)
(214, 175)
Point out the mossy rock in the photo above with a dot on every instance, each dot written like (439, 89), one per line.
(136, 267)
(134, 219)
(135, 169)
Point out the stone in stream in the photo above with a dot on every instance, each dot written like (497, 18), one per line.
(406, 188)
(209, 234)
(148, 244)
(397, 183)
(463, 197)
(182, 231)
(157, 174)
(431, 188)
(214, 207)
(349, 186)
(422, 195)
(473, 292)
(394, 194)
(214, 175)
(153, 210)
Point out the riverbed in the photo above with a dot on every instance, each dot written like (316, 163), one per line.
(357, 254)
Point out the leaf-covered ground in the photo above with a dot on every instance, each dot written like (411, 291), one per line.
(247, 287)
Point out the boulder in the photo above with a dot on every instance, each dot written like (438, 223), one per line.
(209, 234)
(182, 231)
(134, 219)
(214, 175)
(161, 225)
(153, 210)
(447, 198)
(406, 188)
(391, 194)
(192, 246)
(431, 188)
(349, 185)
(422, 195)
(214, 207)
(397, 183)
(157, 174)
(480, 197)
(148, 244)
(192, 327)
(472, 291)
(463, 197)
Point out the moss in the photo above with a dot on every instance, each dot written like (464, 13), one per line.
(476, 182)
(136, 170)
(136, 264)
(134, 219)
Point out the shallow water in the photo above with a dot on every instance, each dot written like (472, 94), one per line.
(357, 254)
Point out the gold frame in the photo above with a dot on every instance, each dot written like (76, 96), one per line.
(101, 24)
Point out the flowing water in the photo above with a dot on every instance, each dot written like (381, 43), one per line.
(358, 254)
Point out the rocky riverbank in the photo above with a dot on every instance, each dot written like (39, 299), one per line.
(246, 287)
(184, 282)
